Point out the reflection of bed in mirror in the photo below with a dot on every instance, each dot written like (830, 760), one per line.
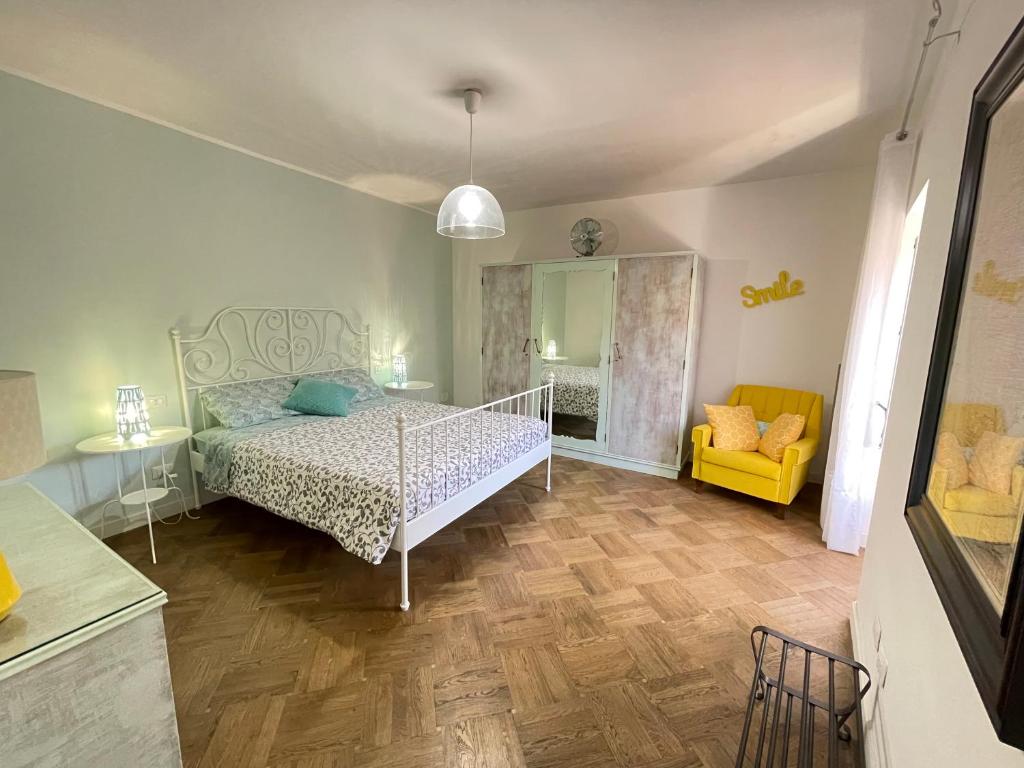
(576, 401)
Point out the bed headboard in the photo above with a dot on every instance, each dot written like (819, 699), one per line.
(257, 343)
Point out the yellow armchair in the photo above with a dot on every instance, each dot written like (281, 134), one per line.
(969, 511)
(754, 473)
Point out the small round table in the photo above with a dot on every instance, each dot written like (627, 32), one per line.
(114, 444)
(419, 387)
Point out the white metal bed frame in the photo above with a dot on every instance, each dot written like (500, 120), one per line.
(246, 344)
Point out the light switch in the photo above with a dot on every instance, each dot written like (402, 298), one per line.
(156, 401)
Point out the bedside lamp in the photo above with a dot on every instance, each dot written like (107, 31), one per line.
(552, 348)
(21, 451)
(132, 414)
(399, 369)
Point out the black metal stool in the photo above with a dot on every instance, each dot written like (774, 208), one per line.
(809, 688)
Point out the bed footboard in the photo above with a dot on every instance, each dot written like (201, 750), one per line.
(533, 403)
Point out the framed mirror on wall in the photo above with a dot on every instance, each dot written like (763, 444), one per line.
(966, 498)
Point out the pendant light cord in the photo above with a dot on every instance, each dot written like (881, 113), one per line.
(470, 147)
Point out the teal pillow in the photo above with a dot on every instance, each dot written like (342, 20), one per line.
(320, 398)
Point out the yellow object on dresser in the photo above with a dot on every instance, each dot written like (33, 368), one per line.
(9, 589)
(754, 473)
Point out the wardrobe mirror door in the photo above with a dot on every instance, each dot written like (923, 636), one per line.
(506, 340)
(572, 339)
(652, 307)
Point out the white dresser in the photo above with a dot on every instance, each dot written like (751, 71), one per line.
(84, 679)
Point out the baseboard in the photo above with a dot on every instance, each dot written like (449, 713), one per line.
(621, 462)
(116, 523)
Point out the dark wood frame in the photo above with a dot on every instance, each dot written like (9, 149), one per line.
(992, 644)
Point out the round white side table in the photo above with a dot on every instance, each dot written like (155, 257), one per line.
(419, 387)
(113, 444)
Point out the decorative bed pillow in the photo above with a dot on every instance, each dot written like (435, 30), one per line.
(356, 378)
(320, 397)
(950, 457)
(248, 402)
(785, 430)
(732, 427)
(994, 458)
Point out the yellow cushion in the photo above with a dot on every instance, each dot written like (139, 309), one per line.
(950, 456)
(994, 458)
(733, 428)
(785, 430)
(744, 461)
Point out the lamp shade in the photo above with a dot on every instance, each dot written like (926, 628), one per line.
(470, 212)
(21, 428)
(132, 414)
(399, 369)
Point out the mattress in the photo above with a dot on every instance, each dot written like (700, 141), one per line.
(340, 475)
(577, 389)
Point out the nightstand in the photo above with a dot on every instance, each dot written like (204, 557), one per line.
(400, 390)
(112, 443)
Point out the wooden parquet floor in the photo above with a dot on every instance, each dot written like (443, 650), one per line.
(604, 624)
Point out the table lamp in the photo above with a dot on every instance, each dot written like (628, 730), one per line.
(399, 369)
(21, 451)
(132, 414)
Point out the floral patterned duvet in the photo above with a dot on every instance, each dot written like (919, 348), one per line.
(577, 389)
(340, 475)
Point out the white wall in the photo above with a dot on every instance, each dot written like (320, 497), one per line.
(930, 712)
(811, 226)
(113, 229)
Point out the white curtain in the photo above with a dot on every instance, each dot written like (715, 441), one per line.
(852, 470)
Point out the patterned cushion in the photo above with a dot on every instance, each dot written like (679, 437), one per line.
(249, 402)
(732, 427)
(950, 456)
(365, 387)
(785, 430)
(320, 397)
(994, 458)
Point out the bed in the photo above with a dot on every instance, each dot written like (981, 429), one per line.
(387, 476)
(577, 389)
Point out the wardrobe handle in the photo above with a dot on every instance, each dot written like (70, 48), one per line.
(536, 345)
(526, 346)
(618, 352)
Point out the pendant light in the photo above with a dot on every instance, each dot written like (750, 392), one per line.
(470, 212)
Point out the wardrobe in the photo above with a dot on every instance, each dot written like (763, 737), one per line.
(618, 338)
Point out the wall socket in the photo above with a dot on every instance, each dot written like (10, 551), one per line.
(156, 401)
(157, 473)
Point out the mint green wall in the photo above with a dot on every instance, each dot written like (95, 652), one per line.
(113, 229)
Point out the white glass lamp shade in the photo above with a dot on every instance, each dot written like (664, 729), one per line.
(132, 414)
(399, 369)
(552, 348)
(470, 212)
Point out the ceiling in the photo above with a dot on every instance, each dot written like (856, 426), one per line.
(583, 99)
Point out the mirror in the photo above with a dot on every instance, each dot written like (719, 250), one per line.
(976, 482)
(574, 332)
